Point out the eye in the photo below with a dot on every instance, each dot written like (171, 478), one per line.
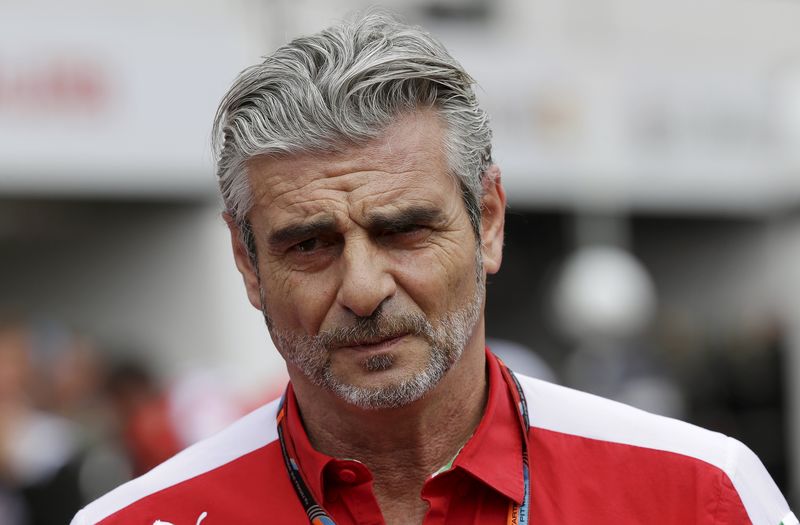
(409, 228)
(406, 234)
(414, 229)
(306, 246)
(402, 229)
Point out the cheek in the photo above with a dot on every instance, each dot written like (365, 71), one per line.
(299, 302)
(439, 282)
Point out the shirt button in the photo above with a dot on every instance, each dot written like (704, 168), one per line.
(347, 475)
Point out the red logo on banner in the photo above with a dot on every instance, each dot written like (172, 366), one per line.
(66, 85)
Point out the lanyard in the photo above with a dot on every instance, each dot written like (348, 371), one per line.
(316, 514)
(517, 513)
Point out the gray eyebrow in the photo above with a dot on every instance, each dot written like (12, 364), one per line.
(300, 231)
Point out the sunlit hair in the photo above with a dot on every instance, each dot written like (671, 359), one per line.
(342, 87)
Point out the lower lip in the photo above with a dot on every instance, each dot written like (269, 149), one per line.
(377, 347)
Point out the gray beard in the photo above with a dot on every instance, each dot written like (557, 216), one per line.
(446, 340)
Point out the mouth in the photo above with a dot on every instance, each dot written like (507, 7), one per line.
(376, 345)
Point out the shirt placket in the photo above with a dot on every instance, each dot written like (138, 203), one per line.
(349, 490)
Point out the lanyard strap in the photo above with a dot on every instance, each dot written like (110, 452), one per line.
(316, 514)
(517, 513)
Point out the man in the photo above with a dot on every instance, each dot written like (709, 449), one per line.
(365, 213)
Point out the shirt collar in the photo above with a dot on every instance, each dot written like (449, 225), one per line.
(311, 462)
(493, 454)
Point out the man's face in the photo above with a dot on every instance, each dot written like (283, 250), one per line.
(368, 271)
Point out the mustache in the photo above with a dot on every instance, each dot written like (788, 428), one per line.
(376, 328)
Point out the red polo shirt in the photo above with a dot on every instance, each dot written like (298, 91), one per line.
(484, 479)
(591, 461)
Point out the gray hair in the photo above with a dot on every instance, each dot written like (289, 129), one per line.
(344, 86)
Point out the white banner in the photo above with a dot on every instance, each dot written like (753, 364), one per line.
(108, 97)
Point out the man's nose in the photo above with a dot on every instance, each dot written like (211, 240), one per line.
(366, 280)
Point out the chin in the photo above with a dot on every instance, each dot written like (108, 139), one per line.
(380, 397)
(385, 385)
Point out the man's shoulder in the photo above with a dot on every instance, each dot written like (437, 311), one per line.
(204, 463)
(571, 412)
(589, 428)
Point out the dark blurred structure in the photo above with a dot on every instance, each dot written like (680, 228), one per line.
(142, 408)
(72, 427)
(720, 347)
(40, 450)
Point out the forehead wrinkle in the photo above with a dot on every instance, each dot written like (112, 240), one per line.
(404, 186)
(401, 146)
(311, 211)
(353, 194)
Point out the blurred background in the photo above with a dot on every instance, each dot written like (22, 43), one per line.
(651, 155)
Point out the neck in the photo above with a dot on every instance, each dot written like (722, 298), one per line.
(403, 446)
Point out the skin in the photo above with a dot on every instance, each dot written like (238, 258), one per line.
(369, 250)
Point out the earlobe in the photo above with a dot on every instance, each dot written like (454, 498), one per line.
(493, 214)
(244, 262)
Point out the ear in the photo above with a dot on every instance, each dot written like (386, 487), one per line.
(244, 263)
(493, 218)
